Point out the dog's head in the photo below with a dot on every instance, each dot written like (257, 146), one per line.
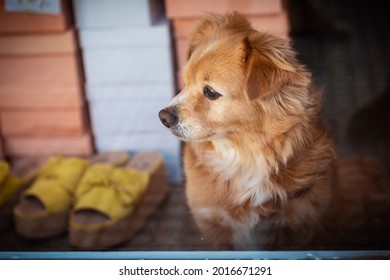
(230, 67)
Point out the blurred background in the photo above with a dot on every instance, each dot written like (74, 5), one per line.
(85, 76)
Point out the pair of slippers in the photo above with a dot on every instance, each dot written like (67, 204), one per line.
(102, 201)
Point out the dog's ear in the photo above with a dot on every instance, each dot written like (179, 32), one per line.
(211, 25)
(202, 32)
(266, 66)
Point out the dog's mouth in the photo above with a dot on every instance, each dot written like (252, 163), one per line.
(178, 132)
(185, 135)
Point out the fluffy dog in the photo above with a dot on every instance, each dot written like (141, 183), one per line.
(258, 159)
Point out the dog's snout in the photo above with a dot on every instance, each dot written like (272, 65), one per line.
(168, 116)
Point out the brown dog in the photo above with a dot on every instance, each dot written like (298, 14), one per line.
(258, 159)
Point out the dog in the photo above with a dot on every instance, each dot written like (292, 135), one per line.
(258, 160)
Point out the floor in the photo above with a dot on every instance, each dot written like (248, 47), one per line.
(346, 44)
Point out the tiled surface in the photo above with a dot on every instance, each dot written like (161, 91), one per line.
(353, 71)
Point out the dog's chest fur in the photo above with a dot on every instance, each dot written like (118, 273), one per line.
(247, 177)
(233, 191)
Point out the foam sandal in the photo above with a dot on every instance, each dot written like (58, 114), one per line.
(43, 209)
(110, 208)
(8, 187)
(12, 183)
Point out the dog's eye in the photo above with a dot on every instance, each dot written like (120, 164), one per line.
(211, 94)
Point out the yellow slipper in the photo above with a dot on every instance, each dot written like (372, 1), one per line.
(12, 184)
(4, 170)
(43, 209)
(8, 183)
(112, 204)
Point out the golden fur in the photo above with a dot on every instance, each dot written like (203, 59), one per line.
(249, 152)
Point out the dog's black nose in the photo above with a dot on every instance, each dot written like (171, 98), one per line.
(168, 116)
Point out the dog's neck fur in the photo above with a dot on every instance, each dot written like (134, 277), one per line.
(245, 171)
